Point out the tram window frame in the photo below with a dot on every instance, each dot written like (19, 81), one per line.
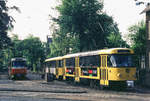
(70, 62)
(85, 61)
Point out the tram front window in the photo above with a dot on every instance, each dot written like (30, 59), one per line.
(120, 61)
(18, 64)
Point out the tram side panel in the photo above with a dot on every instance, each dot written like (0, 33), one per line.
(89, 66)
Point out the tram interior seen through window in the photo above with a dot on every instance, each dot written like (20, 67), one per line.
(90, 61)
(70, 62)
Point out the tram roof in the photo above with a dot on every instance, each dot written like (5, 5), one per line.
(82, 54)
(54, 58)
(116, 51)
(97, 52)
(103, 51)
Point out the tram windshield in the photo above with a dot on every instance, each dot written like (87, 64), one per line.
(120, 61)
(18, 64)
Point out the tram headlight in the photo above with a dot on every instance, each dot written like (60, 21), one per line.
(130, 83)
(119, 75)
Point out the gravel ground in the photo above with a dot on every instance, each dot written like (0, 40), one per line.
(37, 89)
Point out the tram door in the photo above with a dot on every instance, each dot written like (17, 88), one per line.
(103, 71)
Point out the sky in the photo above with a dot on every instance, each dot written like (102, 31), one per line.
(34, 16)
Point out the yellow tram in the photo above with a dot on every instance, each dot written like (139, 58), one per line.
(106, 67)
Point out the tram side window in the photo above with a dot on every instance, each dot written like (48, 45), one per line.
(60, 63)
(90, 61)
(81, 61)
(51, 64)
(70, 62)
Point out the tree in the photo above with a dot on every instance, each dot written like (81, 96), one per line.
(34, 51)
(84, 25)
(115, 40)
(17, 46)
(5, 25)
(63, 44)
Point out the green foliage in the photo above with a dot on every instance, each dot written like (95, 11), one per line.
(137, 36)
(34, 51)
(17, 47)
(63, 44)
(83, 26)
(5, 25)
(115, 40)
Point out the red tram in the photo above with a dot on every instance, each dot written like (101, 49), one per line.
(17, 68)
